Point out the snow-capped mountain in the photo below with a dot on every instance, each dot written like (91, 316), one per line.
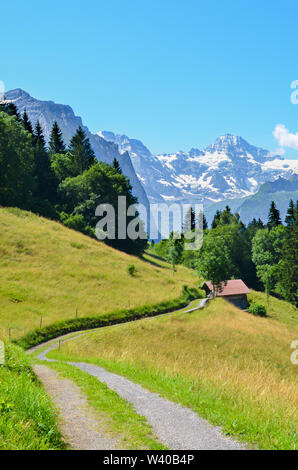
(47, 112)
(151, 172)
(229, 168)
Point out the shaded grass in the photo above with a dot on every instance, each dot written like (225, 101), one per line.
(27, 418)
(231, 367)
(48, 270)
(119, 417)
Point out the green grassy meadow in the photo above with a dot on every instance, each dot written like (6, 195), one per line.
(231, 367)
(48, 271)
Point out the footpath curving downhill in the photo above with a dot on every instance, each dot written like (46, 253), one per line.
(175, 426)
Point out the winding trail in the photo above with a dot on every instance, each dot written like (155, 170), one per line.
(177, 427)
(78, 425)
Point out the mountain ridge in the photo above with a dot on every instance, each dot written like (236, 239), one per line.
(230, 168)
(257, 205)
(46, 112)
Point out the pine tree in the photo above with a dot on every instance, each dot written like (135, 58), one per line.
(289, 262)
(290, 217)
(216, 219)
(189, 221)
(253, 227)
(260, 223)
(26, 123)
(39, 140)
(273, 216)
(81, 151)
(56, 144)
(116, 166)
(10, 109)
(46, 182)
(253, 223)
(202, 221)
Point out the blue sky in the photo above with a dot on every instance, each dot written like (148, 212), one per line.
(175, 74)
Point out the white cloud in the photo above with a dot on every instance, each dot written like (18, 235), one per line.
(277, 153)
(285, 138)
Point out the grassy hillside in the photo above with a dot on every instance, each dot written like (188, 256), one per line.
(48, 270)
(228, 365)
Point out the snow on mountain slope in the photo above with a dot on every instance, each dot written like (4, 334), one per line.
(229, 168)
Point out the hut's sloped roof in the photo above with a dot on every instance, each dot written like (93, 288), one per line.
(233, 287)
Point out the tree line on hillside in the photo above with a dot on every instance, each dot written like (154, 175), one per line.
(59, 182)
(264, 256)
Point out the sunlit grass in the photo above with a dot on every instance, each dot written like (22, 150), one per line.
(230, 366)
(48, 271)
(27, 418)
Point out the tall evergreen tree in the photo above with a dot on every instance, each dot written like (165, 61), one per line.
(273, 217)
(26, 123)
(81, 151)
(39, 140)
(46, 181)
(202, 221)
(260, 223)
(56, 144)
(290, 217)
(289, 262)
(216, 219)
(116, 166)
(189, 222)
(10, 109)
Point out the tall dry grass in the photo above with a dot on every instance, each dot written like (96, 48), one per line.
(240, 362)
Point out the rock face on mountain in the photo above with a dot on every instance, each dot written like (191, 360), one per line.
(47, 112)
(151, 172)
(229, 168)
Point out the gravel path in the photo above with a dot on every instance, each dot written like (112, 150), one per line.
(177, 427)
(78, 426)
